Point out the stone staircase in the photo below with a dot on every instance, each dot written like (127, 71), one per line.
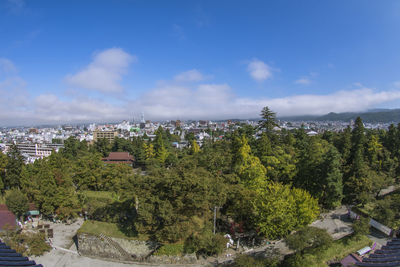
(125, 255)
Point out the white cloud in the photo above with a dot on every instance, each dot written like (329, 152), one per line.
(205, 101)
(341, 101)
(259, 71)
(303, 81)
(170, 101)
(51, 108)
(189, 76)
(104, 73)
(217, 101)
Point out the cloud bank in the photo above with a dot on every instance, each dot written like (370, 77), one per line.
(186, 96)
(104, 73)
(217, 101)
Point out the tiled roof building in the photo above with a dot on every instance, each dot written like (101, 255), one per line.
(9, 257)
(388, 255)
(119, 157)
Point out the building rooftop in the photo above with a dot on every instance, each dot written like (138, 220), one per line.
(9, 257)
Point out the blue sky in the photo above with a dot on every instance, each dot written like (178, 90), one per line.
(75, 61)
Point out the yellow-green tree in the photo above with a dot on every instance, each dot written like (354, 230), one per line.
(278, 209)
(194, 147)
(247, 166)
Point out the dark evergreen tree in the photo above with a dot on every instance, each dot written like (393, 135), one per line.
(332, 184)
(268, 121)
(13, 168)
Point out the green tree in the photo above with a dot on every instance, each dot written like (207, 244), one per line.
(161, 152)
(332, 184)
(3, 165)
(247, 166)
(310, 174)
(280, 209)
(17, 202)
(102, 146)
(86, 172)
(268, 121)
(13, 168)
(361, 226)
(194, 147)
(280, 164)
(344, 144)
(309, 237)
(72, 147)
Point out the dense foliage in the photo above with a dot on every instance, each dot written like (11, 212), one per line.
(27, 243)
(17, 202)
(262, 180)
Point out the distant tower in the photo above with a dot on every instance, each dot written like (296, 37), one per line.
(142, 120)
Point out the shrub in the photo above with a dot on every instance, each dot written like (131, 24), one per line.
(170, 250)
(248, 261)
(17, 202)
(205, 243)
(309, 237)
(361, 227)
(27, 243)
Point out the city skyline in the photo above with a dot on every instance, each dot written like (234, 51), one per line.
(70, 62)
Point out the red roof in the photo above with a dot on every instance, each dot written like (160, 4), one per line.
(7, 218)
(119, 157)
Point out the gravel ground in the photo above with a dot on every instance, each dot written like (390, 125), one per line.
(335, 222)
(64, 252)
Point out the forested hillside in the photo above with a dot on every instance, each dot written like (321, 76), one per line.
(378, 116)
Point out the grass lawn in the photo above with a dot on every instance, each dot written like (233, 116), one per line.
(337, 251)
(108, 229)
(170, 250)
(111, 196)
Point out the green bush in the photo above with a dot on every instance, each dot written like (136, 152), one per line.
(170, 250)
(17, 202)
(361, 227)
(26, 243)
(205, 243)
(36, 244)
(309, 237)
(248, 261)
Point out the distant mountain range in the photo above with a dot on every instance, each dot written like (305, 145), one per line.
(373, 116)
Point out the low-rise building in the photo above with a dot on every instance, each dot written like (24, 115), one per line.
(119, 157)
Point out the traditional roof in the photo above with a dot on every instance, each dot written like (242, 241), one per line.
(119, 157)
(388, 255)
(9, 257)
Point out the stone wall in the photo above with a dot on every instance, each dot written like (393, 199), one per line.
(96, 246)
(91, 245)
(140, 249)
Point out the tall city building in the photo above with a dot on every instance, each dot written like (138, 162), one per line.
(109, 135)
